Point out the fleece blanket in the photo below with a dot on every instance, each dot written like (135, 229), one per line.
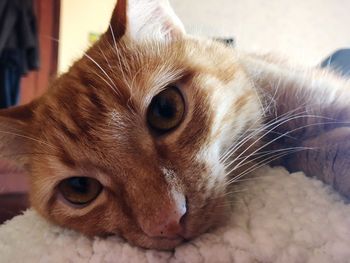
(281, 217)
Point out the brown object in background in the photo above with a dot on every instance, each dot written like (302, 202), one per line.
(13, 191)
(48, 17)
(12, 179)
(12, 205)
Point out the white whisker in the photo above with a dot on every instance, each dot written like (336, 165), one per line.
(111, 83)
(255, 132)
(258, 165)
(29, 138)
(279, 137)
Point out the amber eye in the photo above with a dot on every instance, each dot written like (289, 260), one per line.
(80, 190)
(166, 110)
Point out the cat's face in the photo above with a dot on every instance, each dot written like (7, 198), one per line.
(134, 134)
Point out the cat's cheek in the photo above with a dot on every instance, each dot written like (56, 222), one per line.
(211, 216)
(101, 217)
(205, 192)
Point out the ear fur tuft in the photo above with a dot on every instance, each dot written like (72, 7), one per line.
(142, 20)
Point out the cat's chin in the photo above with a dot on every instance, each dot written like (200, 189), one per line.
(157, 243)
(164, 243)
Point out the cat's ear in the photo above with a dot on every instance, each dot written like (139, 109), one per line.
(145, 20)
(15, 142)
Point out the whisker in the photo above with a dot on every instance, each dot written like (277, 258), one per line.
(256, 178)
(256, 132)
(281, 136)
(229, 193)
(267, 153)
(30, 153)
(28, 138)
(113, 36)
(120, 61)
(111, 83)
(258, 165)
(262, 128)
(104, 56)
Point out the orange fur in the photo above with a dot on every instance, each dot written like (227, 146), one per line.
(92, 122)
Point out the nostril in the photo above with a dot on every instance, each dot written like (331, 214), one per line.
(170, 221)
(172, 225)
(176, 222)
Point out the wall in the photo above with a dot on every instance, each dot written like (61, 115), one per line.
(78, 19)
(307, 30)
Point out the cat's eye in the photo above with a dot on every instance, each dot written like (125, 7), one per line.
(80, 190)
(166, 110)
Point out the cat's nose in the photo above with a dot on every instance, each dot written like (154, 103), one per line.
(169, 222)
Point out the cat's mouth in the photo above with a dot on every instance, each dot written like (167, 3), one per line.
(159, 243)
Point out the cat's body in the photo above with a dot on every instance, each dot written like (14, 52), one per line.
(165, 125)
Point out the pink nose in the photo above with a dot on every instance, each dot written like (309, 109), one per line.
(169, 221)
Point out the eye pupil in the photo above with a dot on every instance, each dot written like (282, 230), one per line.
(79, 184)
(166, 110)
(80, 190)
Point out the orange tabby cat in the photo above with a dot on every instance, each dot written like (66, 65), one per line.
(146, 135)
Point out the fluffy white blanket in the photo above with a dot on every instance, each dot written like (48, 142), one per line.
(281, 218)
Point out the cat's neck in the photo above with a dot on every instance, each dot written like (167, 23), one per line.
(291, 86)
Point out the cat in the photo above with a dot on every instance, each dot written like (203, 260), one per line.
(148, 133)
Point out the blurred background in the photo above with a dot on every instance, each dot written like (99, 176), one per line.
(41, 38)
(305, 30)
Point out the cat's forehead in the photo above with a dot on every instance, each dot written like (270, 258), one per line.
(105, 95)
(132, 74)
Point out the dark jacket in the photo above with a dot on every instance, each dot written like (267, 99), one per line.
(18, 31)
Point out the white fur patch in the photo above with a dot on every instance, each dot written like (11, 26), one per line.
(175, 192)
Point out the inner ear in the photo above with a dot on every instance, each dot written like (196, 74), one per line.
(145, 20)
(15, 134)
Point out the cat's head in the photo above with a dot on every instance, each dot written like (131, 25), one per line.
(131, 140)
